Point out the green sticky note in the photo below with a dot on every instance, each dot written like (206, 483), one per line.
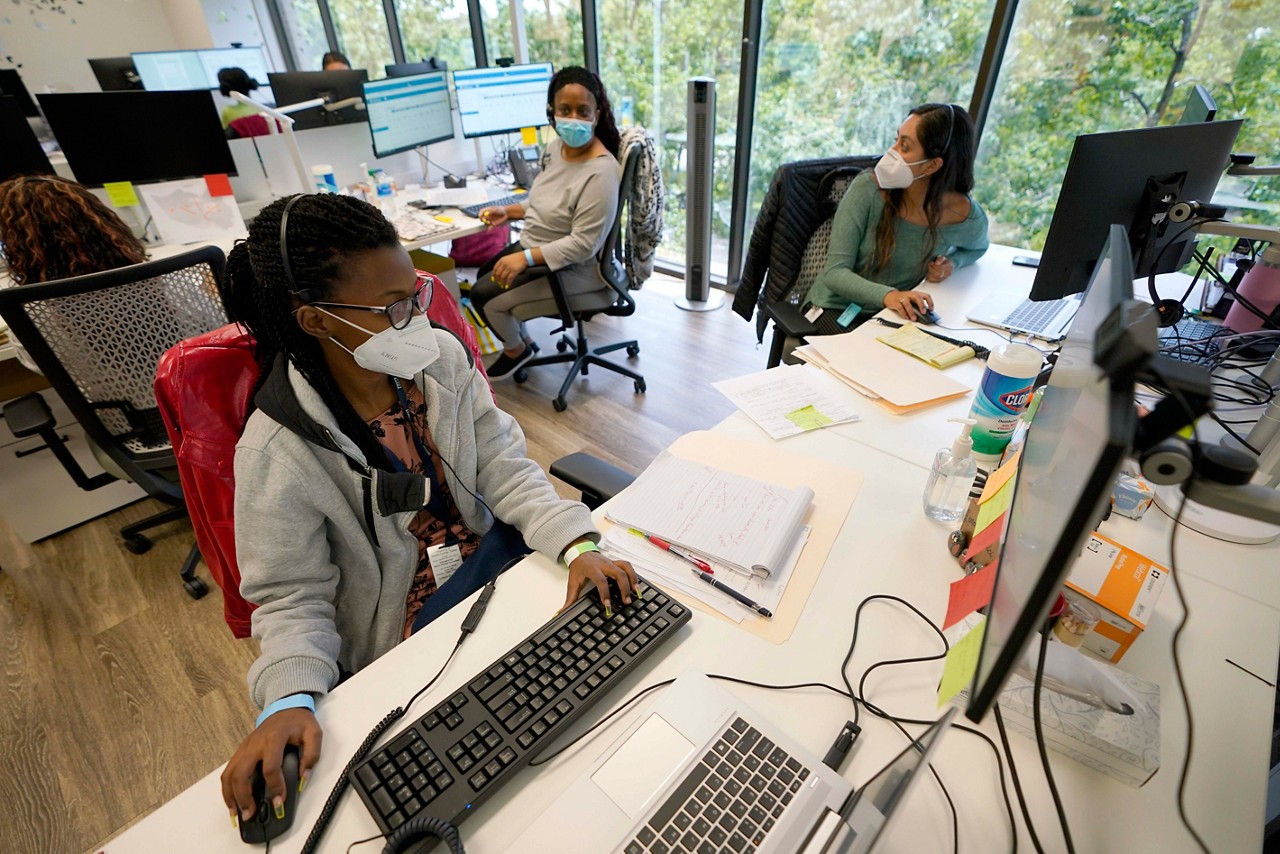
(962, 663)
(808, 418)
(121, 193)
(991, 509)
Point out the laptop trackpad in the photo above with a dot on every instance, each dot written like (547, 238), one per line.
(652, 755)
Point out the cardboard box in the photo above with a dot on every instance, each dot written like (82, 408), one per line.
(1124, 585)
(1123, 747)
(443, 267)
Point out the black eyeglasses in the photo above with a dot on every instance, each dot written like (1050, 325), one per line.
(399, 312)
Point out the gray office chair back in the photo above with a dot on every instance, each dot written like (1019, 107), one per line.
(612, 266)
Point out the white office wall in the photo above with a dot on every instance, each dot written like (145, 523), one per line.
(52, 49)
(243, 21)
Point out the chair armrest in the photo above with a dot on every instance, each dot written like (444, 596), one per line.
(789, 319)
(29, 415)
(597, 480)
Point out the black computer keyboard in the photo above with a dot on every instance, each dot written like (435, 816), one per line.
(1192, 340)
(459, 752)
(474, 210)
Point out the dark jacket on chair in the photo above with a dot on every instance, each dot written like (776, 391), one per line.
(791, 212)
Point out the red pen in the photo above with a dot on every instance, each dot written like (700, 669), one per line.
(675, 550)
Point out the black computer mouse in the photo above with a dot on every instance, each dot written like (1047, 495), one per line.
(928, 318)
(264, 826)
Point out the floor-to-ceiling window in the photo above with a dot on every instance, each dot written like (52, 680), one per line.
(436, 28)
(362, 33)
(649, 49)
(497, 29)
(305, 32)
(1087, 66)
(553, 31)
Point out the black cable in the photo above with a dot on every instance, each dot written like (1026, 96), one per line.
(1044, 753)
(1234, 434)
(543, 759)
(344, 779)
(363, 841)
(1017, 785)
(1186, 612)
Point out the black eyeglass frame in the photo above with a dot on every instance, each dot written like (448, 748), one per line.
(415, 300)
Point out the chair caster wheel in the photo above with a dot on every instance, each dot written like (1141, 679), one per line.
(559, 405)
(562, 345)
(641, 387)
(195, 587)
(520, 376)
(633, 350)
(138, 544)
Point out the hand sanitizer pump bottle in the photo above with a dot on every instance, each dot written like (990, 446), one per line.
(946, 495)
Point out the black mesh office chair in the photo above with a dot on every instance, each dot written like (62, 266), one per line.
(98, 340)
(788, 248)
(615, 300)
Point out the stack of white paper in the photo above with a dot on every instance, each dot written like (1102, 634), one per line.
(879, 371)
(789, 400)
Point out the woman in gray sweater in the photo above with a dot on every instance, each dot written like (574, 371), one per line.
(567, 215)
(377, 483)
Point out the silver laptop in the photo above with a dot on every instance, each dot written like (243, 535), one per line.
(1048, 320)
(701, 771)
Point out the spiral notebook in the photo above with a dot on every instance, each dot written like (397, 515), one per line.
(727, 518)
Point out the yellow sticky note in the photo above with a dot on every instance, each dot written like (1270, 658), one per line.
(121, 193)
(529, 136)
(962, 663)
(808, 418)
(994, 506)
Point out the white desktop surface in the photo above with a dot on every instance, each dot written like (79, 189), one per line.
(885, 546)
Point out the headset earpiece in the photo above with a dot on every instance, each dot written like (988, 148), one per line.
(1169, 312)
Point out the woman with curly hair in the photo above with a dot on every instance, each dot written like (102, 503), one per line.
(52, 228)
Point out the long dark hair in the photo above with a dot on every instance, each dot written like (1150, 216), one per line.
(235, 79)
(946, 131)
(53, 229)
(325, 230)
(606, 127)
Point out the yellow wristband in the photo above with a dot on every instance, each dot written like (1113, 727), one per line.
(576, 551)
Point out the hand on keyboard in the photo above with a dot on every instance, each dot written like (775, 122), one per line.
(605, 575)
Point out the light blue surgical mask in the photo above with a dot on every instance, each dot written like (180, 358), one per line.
(575, 132)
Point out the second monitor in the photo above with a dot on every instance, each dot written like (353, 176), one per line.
(502, 100)
(406, 112)
(333, 87)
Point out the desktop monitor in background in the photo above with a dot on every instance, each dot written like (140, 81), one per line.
(11, 84)
(502, 100)
(116, 73)
(252, 59)
(1080, 435)
(138, 136)
(1200, 107)
(1110, 178)
(170, 70)
(407, 69)
(406, 112)
(21, 153)
(334, 87)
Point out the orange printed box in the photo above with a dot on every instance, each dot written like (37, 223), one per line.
(1124, 585)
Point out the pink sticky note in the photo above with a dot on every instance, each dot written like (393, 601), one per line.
(219, 185)
(969, 594)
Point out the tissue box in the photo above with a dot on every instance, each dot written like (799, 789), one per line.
(1132, 496)
(1123, 747)
(1124, 585)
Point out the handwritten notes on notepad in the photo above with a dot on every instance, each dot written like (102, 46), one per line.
(789, 400)
(934, 351)
(726, 518)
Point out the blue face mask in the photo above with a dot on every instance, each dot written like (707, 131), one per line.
(574, 132)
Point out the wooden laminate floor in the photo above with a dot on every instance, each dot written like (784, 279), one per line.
(118, 690)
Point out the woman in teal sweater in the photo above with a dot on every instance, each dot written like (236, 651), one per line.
(912, 220)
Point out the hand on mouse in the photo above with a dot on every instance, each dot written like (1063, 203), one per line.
(940, 268)
(266, 745)
(594, 568)
(909, 304)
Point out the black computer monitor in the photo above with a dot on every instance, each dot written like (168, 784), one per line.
(1121, 177)
(1073, 451)
(407, 69)
(294, 87)
(11, 84)
(116, 73)
(1200, 107)
(21, 153)
(502, 100)
(406, 112)
(139, 136)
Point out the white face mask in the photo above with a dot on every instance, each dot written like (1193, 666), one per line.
(399, 353)
(894, 173)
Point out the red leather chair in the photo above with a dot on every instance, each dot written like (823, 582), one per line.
(203, 386)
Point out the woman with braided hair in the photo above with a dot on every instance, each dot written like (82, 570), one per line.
(567, 214)
(377, 484)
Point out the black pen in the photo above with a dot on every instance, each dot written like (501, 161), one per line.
(724, 588)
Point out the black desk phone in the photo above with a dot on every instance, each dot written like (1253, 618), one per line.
(525, 163)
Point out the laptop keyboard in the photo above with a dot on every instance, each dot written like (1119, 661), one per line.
(729, 801)
(459, 752)
(1191, 340)
(1033, 316)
